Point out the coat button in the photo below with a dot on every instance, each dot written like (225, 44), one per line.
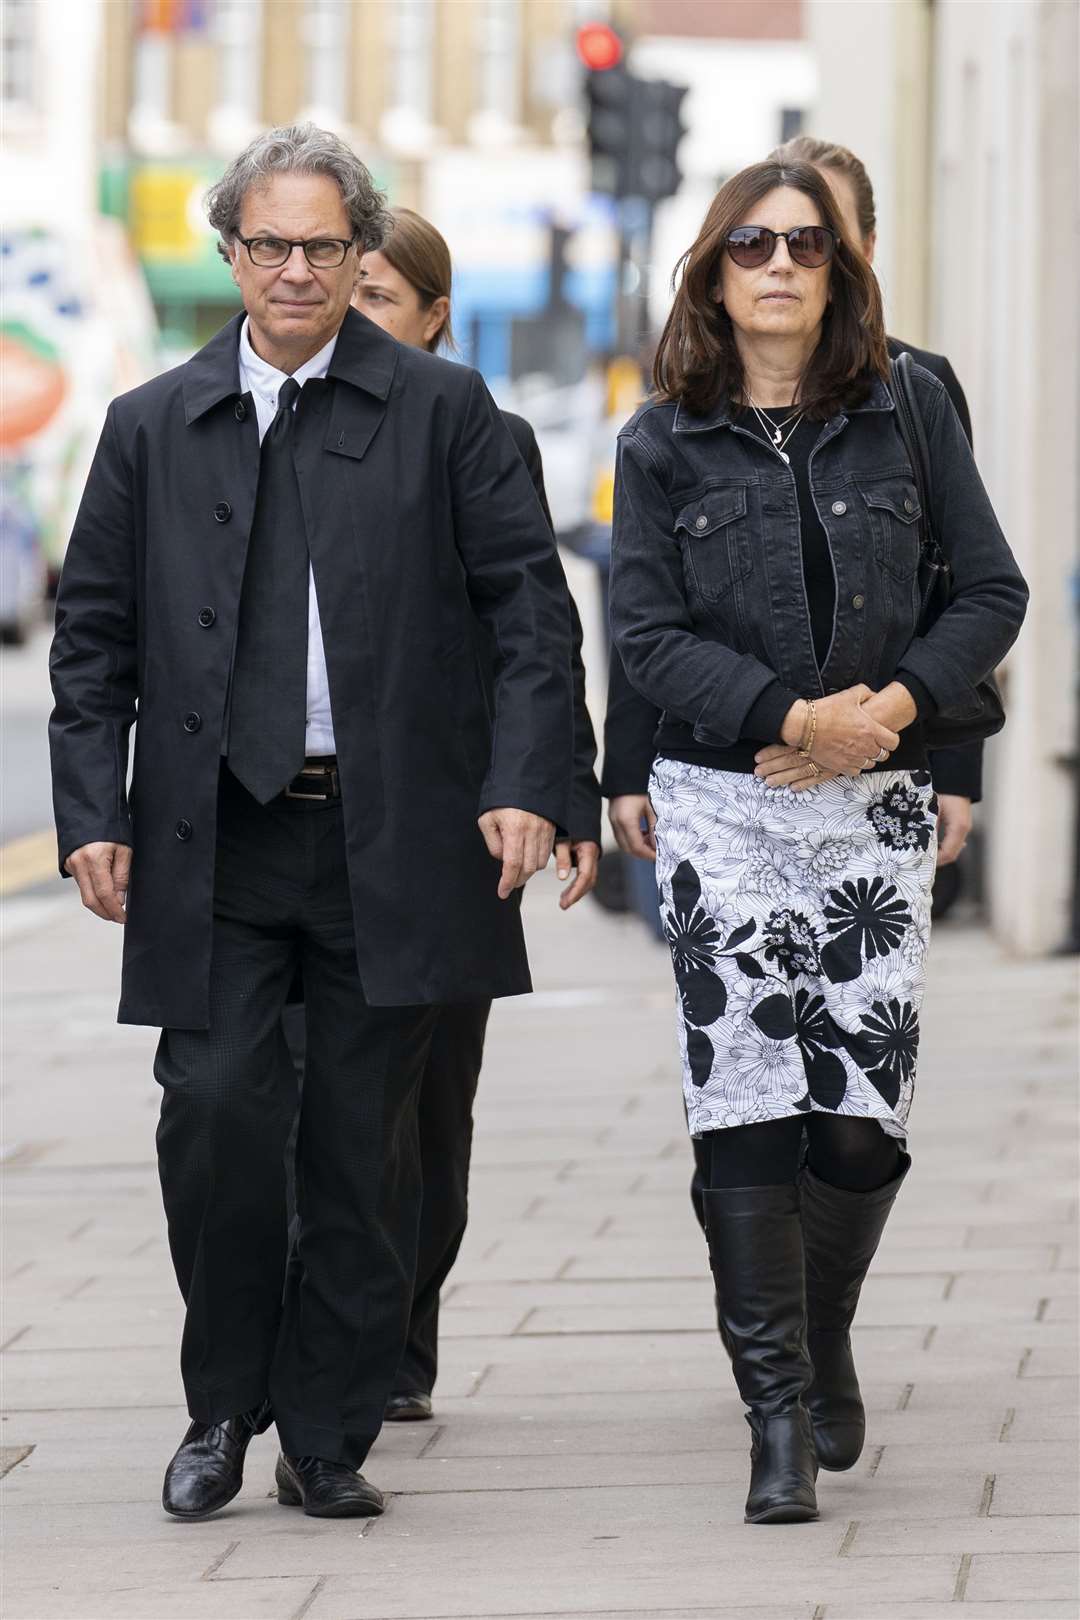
(206, 617)
(858, 601)
(240, 410)
(192, 721)
(909, 504)
(702, 522)
(184, 830)
(839, 508)
(222, 512)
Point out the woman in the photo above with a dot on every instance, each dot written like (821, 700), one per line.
(765, 559)
(631, 721)
(405, 288)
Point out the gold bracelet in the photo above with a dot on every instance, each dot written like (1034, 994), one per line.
(810, 731)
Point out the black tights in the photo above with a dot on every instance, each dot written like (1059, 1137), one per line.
(850, 1153)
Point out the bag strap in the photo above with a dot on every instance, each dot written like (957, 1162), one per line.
(913, 432)
(909, 420)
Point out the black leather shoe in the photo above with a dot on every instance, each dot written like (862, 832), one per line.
(208, 1469)
(326, 1490)
(413, 1406)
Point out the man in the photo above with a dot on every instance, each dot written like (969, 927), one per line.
(278, 562)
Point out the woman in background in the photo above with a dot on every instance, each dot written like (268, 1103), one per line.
(405, 288)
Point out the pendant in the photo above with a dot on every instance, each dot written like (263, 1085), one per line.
(785, 458)
(777, 436)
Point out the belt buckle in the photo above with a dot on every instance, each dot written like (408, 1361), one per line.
(324, 773)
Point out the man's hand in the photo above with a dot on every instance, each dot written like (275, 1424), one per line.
(953, 827)
(103, 872)
(585, 857)
(627, 812)
(521, 841)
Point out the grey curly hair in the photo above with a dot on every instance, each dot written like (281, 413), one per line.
(299, 149)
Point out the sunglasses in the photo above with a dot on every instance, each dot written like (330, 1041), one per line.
(751, 246)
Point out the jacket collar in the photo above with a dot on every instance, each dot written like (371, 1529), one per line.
(364, 356)
(722, 414)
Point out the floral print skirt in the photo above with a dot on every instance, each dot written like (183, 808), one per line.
(798, 926)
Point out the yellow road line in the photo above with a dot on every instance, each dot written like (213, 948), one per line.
(28, 861)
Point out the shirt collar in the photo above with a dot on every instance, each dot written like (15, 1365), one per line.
(262, 378)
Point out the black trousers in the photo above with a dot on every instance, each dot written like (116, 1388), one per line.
(324, 1341)
(447, 1093)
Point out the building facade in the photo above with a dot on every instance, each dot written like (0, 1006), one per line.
(968, 122)
(185, 83)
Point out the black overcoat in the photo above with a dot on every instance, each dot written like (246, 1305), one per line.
(420, 517)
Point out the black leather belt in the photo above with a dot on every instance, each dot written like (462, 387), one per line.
(318, 781)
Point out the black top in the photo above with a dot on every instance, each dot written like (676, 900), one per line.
(675, 738)
(631, 738)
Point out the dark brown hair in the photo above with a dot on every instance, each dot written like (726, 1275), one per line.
(841, 160)
(417, 251)
(697, 360)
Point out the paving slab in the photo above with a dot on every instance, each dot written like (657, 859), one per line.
(588, 1456)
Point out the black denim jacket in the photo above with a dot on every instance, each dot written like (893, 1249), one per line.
(708, 604)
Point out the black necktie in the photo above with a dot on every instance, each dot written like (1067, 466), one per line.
(268, 702)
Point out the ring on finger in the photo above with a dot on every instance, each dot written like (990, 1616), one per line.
(866, 764)
(882, 753)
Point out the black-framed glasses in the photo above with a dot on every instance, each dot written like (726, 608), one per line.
(321, 252)
(751, 246)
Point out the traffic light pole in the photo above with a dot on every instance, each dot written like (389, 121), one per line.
(635, 238)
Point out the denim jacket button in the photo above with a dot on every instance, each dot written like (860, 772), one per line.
(909, 505)
(858, 601)
(702, 522)
(839, 508)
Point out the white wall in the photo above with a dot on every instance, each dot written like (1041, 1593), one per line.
(1004, 282)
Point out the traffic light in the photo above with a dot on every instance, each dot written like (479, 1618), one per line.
(657, 130)
(609, 96)
(634, 125)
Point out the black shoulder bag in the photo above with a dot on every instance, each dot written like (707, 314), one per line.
(935, 574)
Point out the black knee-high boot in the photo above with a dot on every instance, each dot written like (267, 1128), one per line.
(756, 1251)
(841, 1232)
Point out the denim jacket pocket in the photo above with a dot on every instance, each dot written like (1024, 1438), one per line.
(894, 508)
(712, 532)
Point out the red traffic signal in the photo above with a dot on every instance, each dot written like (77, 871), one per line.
(599, 47)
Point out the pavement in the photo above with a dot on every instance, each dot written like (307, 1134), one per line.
(588, 1456)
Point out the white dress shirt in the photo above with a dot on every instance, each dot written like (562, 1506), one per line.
(262, 381)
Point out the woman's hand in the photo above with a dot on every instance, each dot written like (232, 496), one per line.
(848, 736)
(781, 766)
(633, 820)
(893, 706)
(583, 856)
(953, 826)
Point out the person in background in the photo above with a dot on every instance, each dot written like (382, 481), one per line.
(631, 722)
(405, 287)
(765, 548)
